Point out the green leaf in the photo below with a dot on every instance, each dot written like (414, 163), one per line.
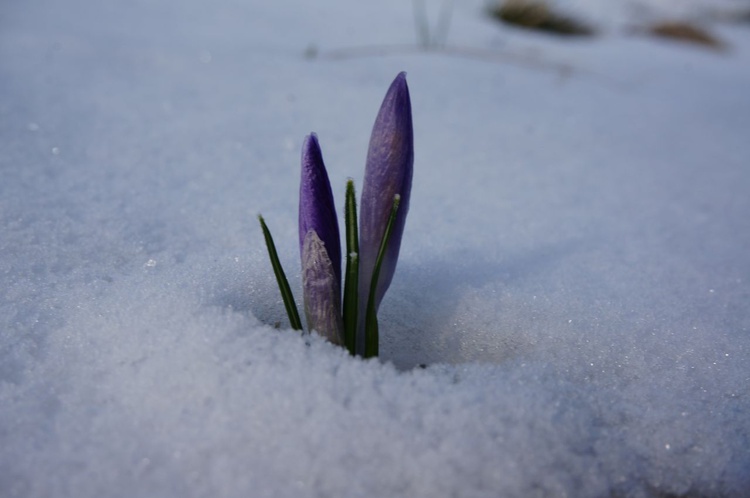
(351, 282)
(286, 292)
(371, 318)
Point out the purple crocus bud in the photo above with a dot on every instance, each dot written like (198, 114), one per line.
(388, 172)
(319, 246)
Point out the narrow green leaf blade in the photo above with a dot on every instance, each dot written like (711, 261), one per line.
(351, 282)
(372, 338)
(286, 292)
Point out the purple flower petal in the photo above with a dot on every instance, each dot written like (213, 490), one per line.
(316, 208)
(388, 172)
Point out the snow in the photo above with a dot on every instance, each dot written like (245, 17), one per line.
(574, 270)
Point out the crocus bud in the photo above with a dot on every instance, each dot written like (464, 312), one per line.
(388, 172)
(319, 246)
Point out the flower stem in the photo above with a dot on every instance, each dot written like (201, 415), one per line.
(286, 292)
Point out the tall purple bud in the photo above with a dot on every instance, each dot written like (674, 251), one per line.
(319, 246)
(388, 172)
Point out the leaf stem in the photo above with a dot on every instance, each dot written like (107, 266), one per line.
(351, 282)
(286, 292)
(372, 338)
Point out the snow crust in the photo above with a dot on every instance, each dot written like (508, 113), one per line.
(574, 271)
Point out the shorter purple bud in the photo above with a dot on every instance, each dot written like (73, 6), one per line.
(320, 248)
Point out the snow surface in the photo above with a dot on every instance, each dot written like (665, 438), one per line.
(575, 268)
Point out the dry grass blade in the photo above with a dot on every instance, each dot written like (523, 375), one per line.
(537, 15)
(686, 32)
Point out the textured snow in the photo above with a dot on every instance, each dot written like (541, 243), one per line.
(574, 271)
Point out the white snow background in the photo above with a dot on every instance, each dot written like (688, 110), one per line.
(575, 269)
